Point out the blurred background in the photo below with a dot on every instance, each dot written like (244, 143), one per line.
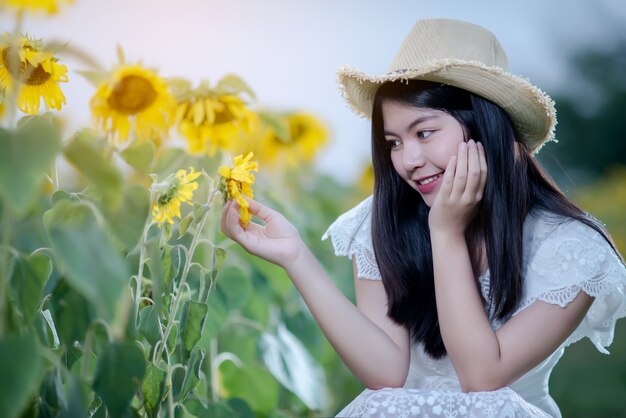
(288, 52)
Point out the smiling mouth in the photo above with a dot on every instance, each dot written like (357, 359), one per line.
(429, 179)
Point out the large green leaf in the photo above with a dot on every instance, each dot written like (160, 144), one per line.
(21, 366)
(139, 155)
(85, 151)
(25, 156)
(233, 286)
(193, 373)
(192, 321)
(149, 324)
(127, 219)
(86, 253)
(77, 402)
(119, 374)
(152, 389)
(72, 315)
(251, 383)
(28, 279)
(291, 364)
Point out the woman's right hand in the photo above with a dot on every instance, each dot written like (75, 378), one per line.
(278, 241)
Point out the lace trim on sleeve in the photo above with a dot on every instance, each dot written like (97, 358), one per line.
(575, 258)
(351, 236)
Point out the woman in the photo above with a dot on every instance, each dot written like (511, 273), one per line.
(487, 270)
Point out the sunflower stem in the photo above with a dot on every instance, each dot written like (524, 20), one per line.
(142, 261)
(183, 279)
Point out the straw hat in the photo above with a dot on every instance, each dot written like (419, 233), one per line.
(463, 55)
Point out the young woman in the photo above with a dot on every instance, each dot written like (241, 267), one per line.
(472, 271)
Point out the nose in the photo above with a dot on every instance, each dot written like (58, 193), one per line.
(413, 155)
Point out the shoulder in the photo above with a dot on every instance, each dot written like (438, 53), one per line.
(564, 257)
(555, 245)
(351, 236)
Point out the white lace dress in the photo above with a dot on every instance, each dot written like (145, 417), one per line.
(560, 258)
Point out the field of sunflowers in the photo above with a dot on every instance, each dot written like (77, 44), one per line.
(119, 296)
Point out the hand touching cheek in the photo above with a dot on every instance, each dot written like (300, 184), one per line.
(461, 190)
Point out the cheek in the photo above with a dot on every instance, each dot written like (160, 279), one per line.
(445, 153)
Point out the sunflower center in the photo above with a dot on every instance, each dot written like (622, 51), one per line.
(165, 198)
(297, 130)
(23, 71)
(132, 94)
(224, 116)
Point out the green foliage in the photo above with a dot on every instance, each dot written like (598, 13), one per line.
(25, 156)
(22, 368)
(106, 314)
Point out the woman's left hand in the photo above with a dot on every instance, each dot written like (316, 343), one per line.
(461, 190)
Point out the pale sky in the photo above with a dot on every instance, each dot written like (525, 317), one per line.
(288, 50)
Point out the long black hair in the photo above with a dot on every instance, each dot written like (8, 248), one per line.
(515, 186)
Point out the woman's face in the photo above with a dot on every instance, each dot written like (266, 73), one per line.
(421, 141)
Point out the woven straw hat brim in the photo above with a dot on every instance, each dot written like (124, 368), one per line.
(531, 111)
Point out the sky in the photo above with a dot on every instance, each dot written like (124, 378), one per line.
(288, 51)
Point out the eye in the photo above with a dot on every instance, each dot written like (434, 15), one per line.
(424, 134)
(392, 143)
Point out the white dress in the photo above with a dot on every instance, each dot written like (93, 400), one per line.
(561, 258)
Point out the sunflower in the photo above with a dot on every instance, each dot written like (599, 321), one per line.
(49, 6)
(290, 138)
(238, 181)
(214, 118)
(133, 97)
(171, 193)
(31, 73)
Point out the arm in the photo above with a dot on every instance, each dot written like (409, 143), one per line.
(482, 358)
(374, 348)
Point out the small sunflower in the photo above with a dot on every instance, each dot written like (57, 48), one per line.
(133, 97)
(48, 6)
(171, 193)
(238, 181)
(214, 118)
(31, 73)
(291, 138)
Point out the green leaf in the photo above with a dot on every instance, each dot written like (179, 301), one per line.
(193, 373)
(127, 219)
(139, 155)
(219, 257)
(234, 287)
(171, 339)
(93, 264)
(149, 324)
(290, 363)
(119, 373)
(77, 403)
(25, 156)
(240, 408)
(233, 84)
(276, 277)
(152, 389)
(192, 321)
(72, 315)
(184, 224)
(85, 151)
(28, 279)
(21, 367)
(253, 384)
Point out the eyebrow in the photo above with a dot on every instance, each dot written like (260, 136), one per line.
(414, 123)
